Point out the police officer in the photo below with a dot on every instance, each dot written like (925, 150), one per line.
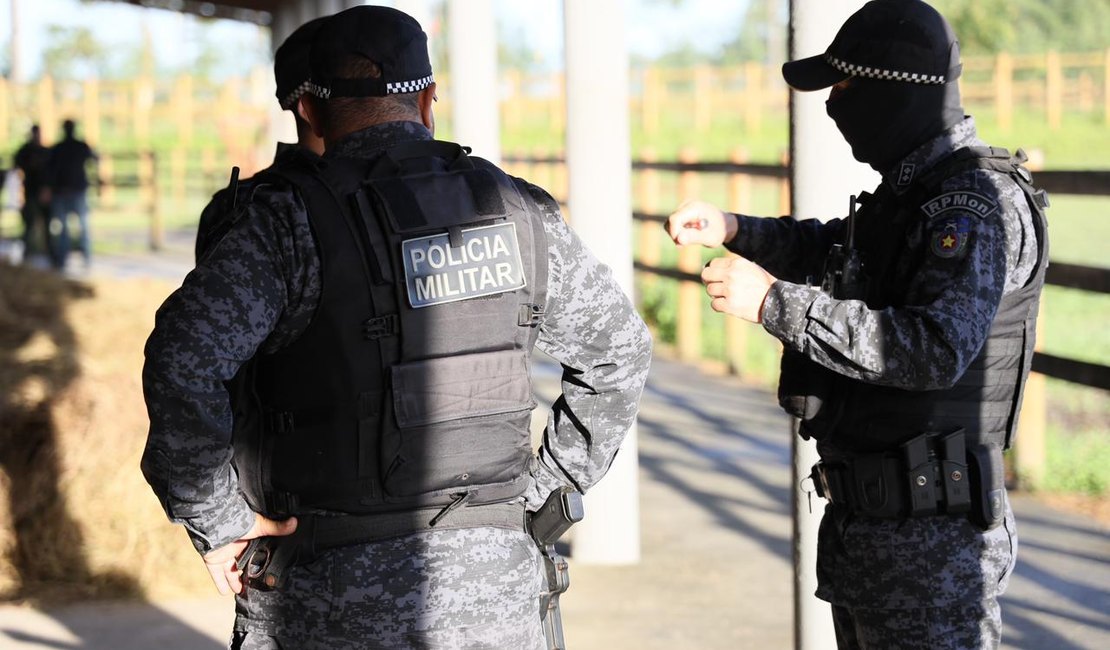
(907, 359)
(291, 73)
(388, 296)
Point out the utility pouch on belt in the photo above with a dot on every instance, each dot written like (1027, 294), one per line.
(927, 475)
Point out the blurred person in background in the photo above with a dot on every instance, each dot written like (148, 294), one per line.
(31, 160)
(68, 183)
(907, 358)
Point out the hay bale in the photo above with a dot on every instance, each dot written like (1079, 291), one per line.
(77, 519)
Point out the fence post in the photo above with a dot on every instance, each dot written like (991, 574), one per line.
(47, 113)
(90, 110)
(7, 94)
(106, 171)
(148, 196)
(785, 206)
(652, 96)
(183, 110)
(753, 96)
(1004, 90)
(178, 174)
(740, 202)
(1029, 443)
(648, 191)
(208, 169)
(688, 327)
(1106, 86)
(1054, 89)
(143, 102)
(703, 98)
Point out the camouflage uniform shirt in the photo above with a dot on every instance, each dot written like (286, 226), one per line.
(255, 291)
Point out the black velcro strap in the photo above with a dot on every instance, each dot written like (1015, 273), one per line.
(487, 196)
(401, 201)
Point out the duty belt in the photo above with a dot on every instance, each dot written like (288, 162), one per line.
(266, 561)
(928, 475)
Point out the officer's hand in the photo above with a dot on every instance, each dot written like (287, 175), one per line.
(737, 286)
(222, 563)
(698, 222)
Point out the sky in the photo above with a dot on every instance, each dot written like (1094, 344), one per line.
(654, 26)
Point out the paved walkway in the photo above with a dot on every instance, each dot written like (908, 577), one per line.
(716, 572)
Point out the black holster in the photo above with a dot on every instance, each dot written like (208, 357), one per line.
(805, 391)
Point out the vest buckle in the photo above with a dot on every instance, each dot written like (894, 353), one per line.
(529, 315)
(380, 326)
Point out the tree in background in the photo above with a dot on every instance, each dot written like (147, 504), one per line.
(762, 35)
(73, 52)
(1028, 26)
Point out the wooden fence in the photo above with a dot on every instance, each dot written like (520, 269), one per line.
(189, 112)
(739, 179)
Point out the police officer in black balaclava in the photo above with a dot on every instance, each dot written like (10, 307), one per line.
(907, 361)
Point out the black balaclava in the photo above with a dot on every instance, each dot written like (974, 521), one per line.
(884, 120)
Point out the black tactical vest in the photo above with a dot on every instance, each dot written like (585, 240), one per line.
(411, 386)
(857, 417)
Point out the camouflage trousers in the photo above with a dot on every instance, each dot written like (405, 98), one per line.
(969, 626)
(914, 584)
(471, 589)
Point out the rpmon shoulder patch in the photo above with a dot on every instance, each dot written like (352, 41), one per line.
(959, 200)
(487, 263)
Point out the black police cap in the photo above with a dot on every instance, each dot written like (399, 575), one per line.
(897, 40)
(391, 39)
(291, 69)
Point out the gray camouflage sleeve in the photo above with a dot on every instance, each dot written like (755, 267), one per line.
(924, 345)
(593, 330)
(224, 310)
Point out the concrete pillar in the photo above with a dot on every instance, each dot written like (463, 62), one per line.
(599, 175)
(472, 53)
(824, 177)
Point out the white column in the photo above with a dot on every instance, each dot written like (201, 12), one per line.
(599, 175)
(472, 55)
(824, 177)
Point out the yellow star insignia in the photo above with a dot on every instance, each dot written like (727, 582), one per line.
(949, 241)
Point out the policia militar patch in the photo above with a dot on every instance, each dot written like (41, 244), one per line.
(486, 263)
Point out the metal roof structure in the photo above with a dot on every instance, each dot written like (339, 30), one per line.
(259, 12)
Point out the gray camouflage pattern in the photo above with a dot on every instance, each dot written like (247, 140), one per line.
(255, 290)
(940, 628)
(900, 581)
(461, 589)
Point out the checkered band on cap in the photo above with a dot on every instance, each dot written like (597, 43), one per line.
(289, 100)
(880, 73)
(317, 89)
(416, 85)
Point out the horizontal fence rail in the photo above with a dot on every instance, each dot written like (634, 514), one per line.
(1063, 182)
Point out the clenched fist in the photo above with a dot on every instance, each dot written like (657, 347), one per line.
(698, 222)
(737, 287)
